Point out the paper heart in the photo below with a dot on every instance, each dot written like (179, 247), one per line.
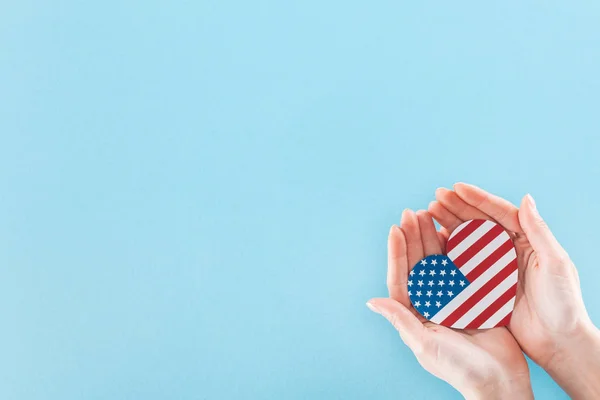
(474, 285)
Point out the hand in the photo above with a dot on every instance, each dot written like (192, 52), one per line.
(480, 364)
(549, 320)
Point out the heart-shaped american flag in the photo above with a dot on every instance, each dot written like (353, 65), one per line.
(474, 285)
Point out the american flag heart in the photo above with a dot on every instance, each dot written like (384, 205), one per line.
(474, 285)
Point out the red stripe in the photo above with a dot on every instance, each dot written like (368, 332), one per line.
(480, 294)
(489, 261)
(462, 235)
(478, 245)
(492, 308)
(504, 321)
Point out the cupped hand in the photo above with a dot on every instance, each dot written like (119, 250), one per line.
(479, 364)
(548, 306)
(549, 320)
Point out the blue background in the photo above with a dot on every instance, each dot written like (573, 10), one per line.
(195, 196)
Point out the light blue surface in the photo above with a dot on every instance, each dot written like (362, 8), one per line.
(195, 196)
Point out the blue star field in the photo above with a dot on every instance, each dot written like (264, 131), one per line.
(433, 283)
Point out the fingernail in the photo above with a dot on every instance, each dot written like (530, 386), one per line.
(405, 213)
(373, 308)
(531, 201)
(394, 228)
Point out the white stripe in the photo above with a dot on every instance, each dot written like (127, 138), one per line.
(473, 287)
(487, 300)
(499, 315)
(469, 240)
(460, 227)
(485, 252)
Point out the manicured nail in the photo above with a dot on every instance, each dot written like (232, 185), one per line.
(373, 308)
(531, 201)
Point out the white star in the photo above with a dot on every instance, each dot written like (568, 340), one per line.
(418, 293)
(440, 293)
(430, 283)
(429, 293)
(432, 273)
(420, 283)
(426, 314)
(462, 283)
(441, 283)
(443, 272)
(451, 283)
(409, 282)
(434, 262)
(409, 293)
(412, 273)
(427, 304)
(423, 262)
(417, 303)
(444, 262)
(422, 272)
(453, 272)
(450, 293)
(438, 304)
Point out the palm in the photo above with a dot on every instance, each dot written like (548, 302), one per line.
(537, 315)
(495, 345)
(489, 346)
(454, 355)
(525, 323)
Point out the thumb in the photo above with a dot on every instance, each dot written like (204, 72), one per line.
(410, 328)
(537, 231)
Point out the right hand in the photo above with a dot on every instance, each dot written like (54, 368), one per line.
(549, 320)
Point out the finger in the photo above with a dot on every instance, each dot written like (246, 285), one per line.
(443, 216)
(458, 206)
(501, 210)
(412, 233)
(429, 237)
(443, 238)
(397, 273)
(410, 328)
(537, 231)
(445, 233)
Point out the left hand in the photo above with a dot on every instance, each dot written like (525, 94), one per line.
(478, 363)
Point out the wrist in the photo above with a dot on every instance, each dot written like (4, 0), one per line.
(575, 365)
(518, 388)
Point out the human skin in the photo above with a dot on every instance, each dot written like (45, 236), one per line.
(486, 364)
(549, 321)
